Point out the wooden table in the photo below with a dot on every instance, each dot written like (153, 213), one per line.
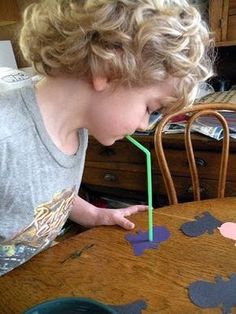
(109, 272)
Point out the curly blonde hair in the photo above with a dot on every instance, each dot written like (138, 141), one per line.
(131, 42)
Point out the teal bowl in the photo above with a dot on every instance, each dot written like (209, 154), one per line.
(71, 306)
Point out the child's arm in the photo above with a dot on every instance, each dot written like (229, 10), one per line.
(89, 215)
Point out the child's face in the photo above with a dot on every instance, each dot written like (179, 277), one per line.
(115, 114)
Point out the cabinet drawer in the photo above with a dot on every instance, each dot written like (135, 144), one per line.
(183, 187)
(119, 152)
(208, 164)
(124, 177)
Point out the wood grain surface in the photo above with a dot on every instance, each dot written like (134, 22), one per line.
(107, 270)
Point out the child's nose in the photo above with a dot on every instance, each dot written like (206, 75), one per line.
(144, 124)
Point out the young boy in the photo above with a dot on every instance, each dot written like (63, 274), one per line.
(106, 66)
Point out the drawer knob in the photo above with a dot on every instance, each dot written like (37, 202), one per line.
(110, 177)
(190, 189)
(200, 162)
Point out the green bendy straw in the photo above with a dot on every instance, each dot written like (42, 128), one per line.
(149, 184)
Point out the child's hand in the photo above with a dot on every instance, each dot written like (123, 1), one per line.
(108, 216)
(89, 215)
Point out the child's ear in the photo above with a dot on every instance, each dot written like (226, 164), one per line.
(100, 83)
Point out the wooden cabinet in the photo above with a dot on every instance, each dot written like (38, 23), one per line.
(9, 12)
(121, 168)
(222, 20)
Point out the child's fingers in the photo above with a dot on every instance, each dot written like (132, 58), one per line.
(124, 223)
(133, 209)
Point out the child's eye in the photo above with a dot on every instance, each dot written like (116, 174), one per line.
(156, 112)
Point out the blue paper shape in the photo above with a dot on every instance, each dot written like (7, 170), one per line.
(132, 308)
(140, 240)
(221, 292)
(202, 224)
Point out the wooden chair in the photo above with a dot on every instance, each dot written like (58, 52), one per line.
(195, 112)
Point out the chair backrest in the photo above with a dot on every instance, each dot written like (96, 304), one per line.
(194, 113)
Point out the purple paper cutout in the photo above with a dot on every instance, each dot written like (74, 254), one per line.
(213, 294)
(132, 308)
(140, 241)
(202, 224)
